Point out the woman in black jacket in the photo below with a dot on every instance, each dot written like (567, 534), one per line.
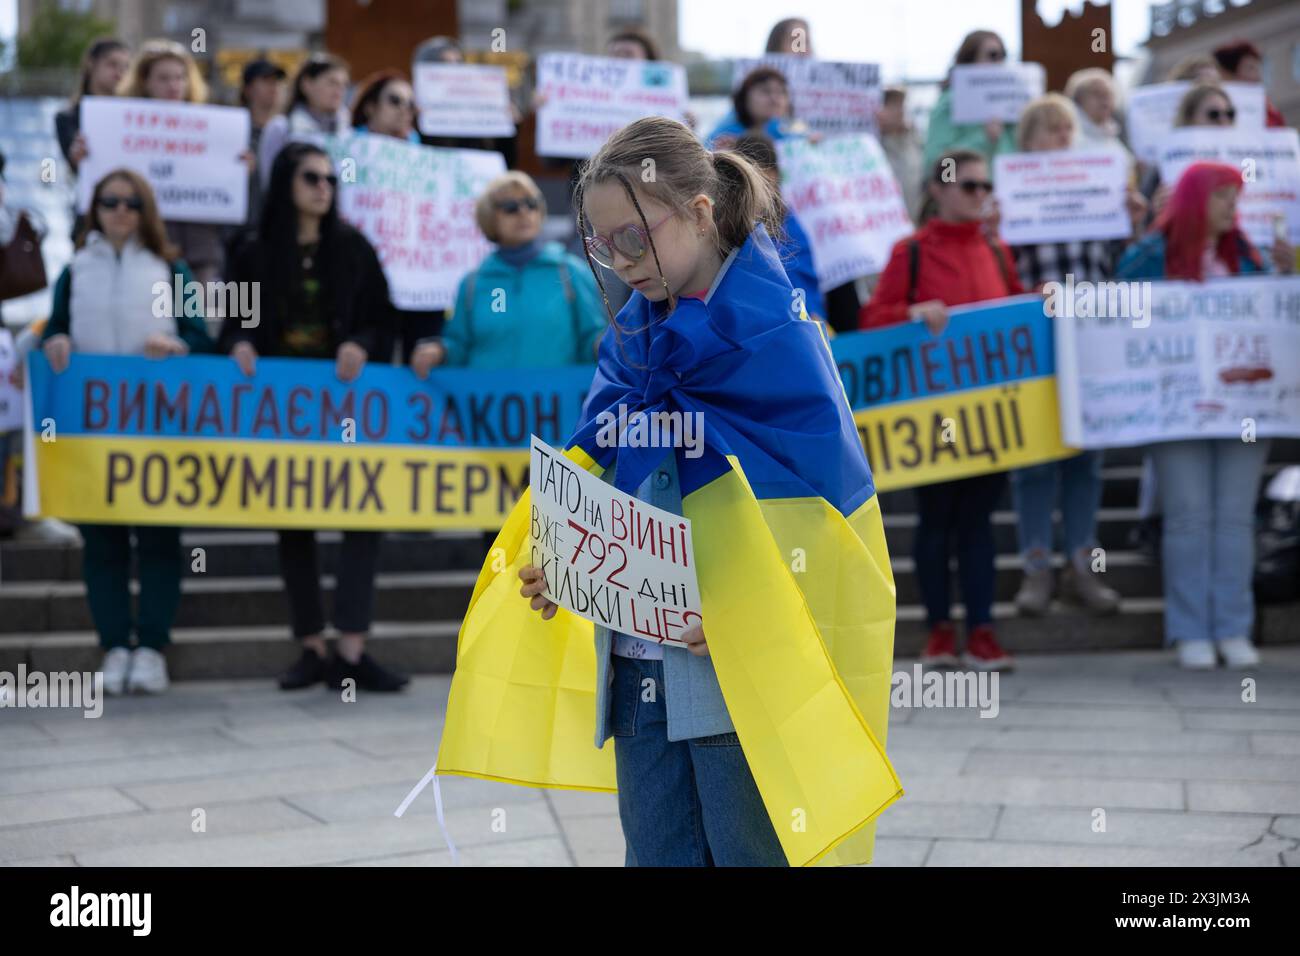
(323, 295)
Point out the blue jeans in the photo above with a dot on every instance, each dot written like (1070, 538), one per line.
(684, 802)
(1034, 491)
(1207, 493)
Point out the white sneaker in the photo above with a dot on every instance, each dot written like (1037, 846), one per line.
(117, 662)
(1197, 655)
(1238, 652)
(148, 672)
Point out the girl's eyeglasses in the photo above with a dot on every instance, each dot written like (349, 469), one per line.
(313, 178)
(631, 241)
(972, 186)
(1214, 116)
(392, 99)
(112, 202)
(512, 206)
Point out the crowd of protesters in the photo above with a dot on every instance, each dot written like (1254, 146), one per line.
(325, 296)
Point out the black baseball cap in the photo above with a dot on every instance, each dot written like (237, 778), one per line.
(256, 69)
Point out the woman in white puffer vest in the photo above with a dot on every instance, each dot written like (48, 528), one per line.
(104, 304)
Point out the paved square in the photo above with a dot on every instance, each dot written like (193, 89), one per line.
(1178, 769)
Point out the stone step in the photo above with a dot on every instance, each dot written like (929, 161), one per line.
(253, 553)
(206, 653)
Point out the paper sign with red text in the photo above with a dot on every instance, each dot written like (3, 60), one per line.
(608, 557)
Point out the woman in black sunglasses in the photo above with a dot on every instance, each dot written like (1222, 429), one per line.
(105, 302)
(385, 106)
(323, 296)
(989, 139)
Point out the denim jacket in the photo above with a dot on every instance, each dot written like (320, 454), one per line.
(694, 699)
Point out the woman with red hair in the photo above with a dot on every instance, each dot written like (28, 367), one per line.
(1207, 486)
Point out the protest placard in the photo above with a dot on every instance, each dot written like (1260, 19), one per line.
(192, 441)
(11, 396)
(1218, 359)
(586, 99)
(831, 97)
(463, 99)
(848, 202)
(608, 557)
(979, 398)
(416, 206)
(982, 92)
(1062, 196)
(1151, 112)
(1269, 161)
(189, 153)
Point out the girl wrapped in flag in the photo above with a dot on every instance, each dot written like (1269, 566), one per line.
(763, 742)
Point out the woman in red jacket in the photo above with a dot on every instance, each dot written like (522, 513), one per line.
(951, 261)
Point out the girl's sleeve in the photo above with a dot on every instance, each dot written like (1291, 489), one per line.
(888, 305)
(455, 331)
(60, 322)
(1135, 263)
(192, 329)
(944, 135)
(591, 311)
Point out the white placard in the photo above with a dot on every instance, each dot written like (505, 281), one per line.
(416, 206)
(848, 202)
(608, 557)
(1189, 360)
(11, 396)
(1269, 161)
(189, 153)
(1152, 109)
(831, 97)
(994, 91)
(1062, 196)
(586, 99)
(463, 99)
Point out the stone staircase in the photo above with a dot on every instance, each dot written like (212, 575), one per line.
(233, 619)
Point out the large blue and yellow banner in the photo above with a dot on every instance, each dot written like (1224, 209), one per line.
(981, 397)
(192, 441)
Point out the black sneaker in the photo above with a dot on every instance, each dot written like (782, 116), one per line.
(307, 670)
(368, 673)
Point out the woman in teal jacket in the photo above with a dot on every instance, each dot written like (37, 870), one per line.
(943, 135)
(529, 304)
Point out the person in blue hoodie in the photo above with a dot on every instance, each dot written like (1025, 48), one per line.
(529, 304)
(761, 103)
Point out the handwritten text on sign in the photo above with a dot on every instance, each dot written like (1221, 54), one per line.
(994, 91)
(830, 97)
(189, 154)
(608, 557)
(848, 201)
(463, 99)
(416, 206)
(586, 99)
(1062, 196)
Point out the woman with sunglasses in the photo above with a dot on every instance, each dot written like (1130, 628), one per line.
(316, 109)
(104, 304)
(1207, 487)
(529, 304)
(324, 296)
(988, 139)
(951, 261)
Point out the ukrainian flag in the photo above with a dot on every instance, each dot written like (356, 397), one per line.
(797, 592)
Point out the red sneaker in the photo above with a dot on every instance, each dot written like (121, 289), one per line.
(941, 648)
(984, 653)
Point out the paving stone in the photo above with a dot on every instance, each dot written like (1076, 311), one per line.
(133, 831)
(63, 805)
(911, 818)
(1045, 791)
(1153, 766)
(1129, 827)
(997, 853)
(1241, 797)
